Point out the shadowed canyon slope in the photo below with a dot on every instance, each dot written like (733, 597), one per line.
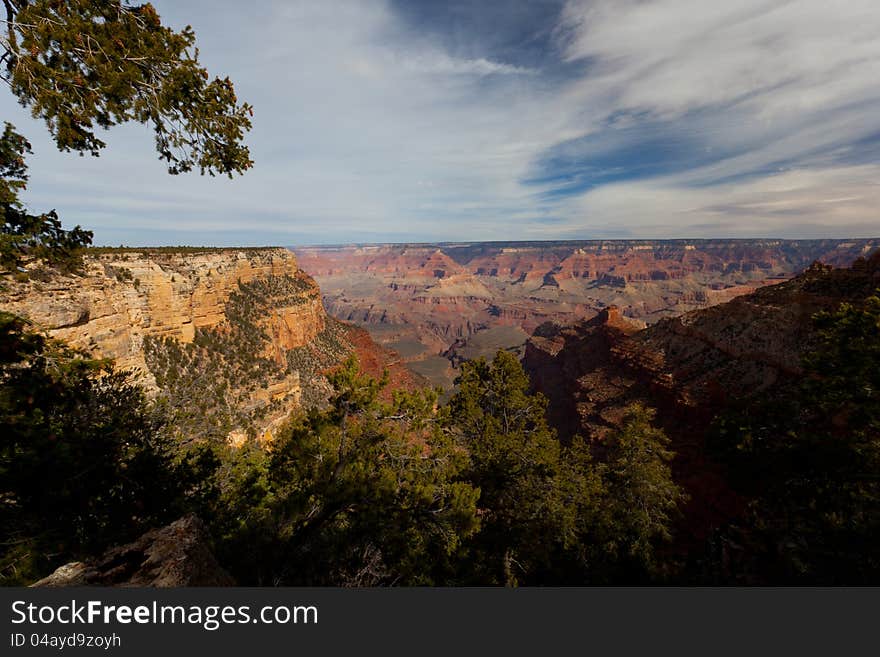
(234, 338)
(689, 368)
(438, 303)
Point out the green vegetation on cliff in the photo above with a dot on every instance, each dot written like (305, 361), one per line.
(213, 385)
(808, 458)
(209, 383)
(85, 461)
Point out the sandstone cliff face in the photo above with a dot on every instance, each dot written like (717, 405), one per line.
(124, 297)
(173, 316)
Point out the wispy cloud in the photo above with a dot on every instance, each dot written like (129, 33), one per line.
(472, 120)
(730, 99)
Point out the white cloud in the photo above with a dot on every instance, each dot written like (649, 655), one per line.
(365, 126)
(806, 201)
(670, 56)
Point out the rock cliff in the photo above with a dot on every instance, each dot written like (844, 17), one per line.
(689, 368)
(234, 338)
(124, 297)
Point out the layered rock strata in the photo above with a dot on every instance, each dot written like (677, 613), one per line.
(689, 368)
(433, 299)
(232, 337)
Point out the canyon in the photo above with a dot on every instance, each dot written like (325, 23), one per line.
(231, 341)
(439, 304)
(235, 339)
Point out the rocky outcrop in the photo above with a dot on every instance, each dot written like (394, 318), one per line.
(175, 555)
(125, 296)
(578, 381)
(689, 368)
(217, 331)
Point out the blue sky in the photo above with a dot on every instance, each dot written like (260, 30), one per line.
(538, 119)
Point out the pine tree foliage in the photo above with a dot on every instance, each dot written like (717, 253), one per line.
(809, 458)
(84, 459)
(81, 65)
(85, 65)
(360, 493)
(554, 514)
(515, 462)
(25, 236)
(643, 498)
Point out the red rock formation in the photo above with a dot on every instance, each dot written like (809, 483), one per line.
(688, 368)
(443, 295)
(375, 360)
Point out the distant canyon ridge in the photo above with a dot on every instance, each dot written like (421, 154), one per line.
(437, 304)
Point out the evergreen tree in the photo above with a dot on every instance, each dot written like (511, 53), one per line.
(361, 493)
(553, 514)
(81, 65)
(84, 461)
(809, 457)
(643, 500)
(531, 499)
(22, 234)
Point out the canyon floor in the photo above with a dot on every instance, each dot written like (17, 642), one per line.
(439, 304)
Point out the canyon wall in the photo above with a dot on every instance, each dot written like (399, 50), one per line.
(211, 329)
(436, 302)
(689, 368)
(123, 297)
